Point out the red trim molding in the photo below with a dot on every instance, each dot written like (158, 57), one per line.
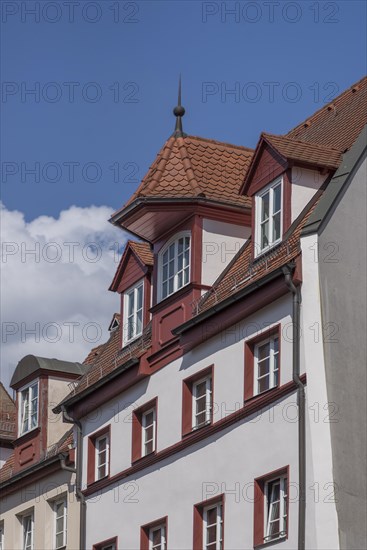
(103, 544)
(198, 539)
(257, 404)
(250, 358)
(187, 397)
(91, 466)
(136, 443)
(144, 532)
(259, 504)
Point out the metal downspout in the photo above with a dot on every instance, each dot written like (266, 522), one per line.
(301, 401)
(78, 481)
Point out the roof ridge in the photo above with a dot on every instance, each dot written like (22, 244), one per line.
(302, 142)
(186, 163)
(325, 107)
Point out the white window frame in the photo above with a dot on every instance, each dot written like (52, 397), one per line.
(2, 536)
(97, 454)
(23, 413)
(144, 430)
(219, 525)
(162, 529)
(25, 519)
(283, 516)
(258, 208)
(272, 384)
(56, 517)
(208, 379)
(111, 546)
(133, 290)
(174, 240)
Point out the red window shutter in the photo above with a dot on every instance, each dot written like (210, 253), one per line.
(258, 513)
(91, 461)
(198, 528)
(186, 408)
(249, 371)
(136, 437)
(144, 539)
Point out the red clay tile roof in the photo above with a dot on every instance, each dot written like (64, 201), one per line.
(191, 166)
(111, 356)
(242, 270)
(143, 251)
(305, 152)
(61, 446)
(339, 123)
(7, 415)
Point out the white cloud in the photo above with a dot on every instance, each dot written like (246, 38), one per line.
(53, 275)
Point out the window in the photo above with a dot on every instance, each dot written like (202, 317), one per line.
(209, 524)
(271, 507)
(148, 431)
(28, 408)
(197, 401)
(269, 216)
(110, 544)
(202, 402)
(2, 536)
(157, 538)
(60, 511)
(154, 535)
(175, 265)
(267, 364)
(133, 313)
(27, 522)
(144, 430)
(276, 508)
(102, 456)
(262, 362)
(213, 527)
(99, 448)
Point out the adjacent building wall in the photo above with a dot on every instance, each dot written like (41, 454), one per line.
(342, 265)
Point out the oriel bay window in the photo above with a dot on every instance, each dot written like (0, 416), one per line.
(133, 313)
(209, 524)
(174, 265)
(99, 455)
(262, 362)
(144, 430)
(197, 401)
(268, 204)
(271, 507)
(28, 408)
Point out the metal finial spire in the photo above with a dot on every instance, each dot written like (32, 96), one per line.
(179, 112)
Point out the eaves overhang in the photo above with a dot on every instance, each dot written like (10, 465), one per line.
(31, 470)
(73, 399)
(236, 297)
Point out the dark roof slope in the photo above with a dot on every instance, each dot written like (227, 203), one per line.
(7, 416)
(31, 364)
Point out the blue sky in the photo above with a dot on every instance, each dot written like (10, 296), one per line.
(105, 75)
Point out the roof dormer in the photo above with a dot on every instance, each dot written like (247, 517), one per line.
(40, 383)
(283, 177)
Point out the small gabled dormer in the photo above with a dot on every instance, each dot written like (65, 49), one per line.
(39, 384)
(283, 177)
(133, 282)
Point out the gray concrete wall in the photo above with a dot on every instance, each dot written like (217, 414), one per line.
(342, 265)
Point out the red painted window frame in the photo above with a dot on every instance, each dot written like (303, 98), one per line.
(187, 397)
(100, 545)
(91, 466)
(259, 505)
(250, 360)
(144, 532)
(137, 428)
(198, 520)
